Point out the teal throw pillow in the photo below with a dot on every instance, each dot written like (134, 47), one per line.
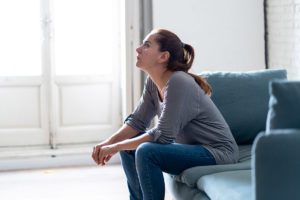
(284, 105)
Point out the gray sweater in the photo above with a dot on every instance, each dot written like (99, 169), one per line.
(186, 116)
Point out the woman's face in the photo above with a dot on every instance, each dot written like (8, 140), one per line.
(148, 53)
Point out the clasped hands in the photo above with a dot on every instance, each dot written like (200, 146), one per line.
(103, 152)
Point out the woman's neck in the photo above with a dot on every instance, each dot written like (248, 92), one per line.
(160, 78)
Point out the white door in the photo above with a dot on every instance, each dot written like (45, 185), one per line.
(86, 100)
(72, 94)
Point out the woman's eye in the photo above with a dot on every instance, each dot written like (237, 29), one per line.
(146, 45)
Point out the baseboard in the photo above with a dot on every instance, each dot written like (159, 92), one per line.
(67, 156)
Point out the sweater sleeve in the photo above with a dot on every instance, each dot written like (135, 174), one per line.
(179, 109)
(141, 118)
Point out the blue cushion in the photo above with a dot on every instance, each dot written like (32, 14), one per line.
(190, 176)
(232, 185)
(180, 190)
(284, 105)
(243, 98)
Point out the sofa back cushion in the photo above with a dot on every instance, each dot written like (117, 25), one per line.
(243, 98)
(284, 105)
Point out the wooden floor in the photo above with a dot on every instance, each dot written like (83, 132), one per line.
(85, 183)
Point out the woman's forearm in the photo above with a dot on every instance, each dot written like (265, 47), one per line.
(125, 132)
(133, 143)
(103, 152)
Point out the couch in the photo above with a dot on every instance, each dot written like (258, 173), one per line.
(265, 155)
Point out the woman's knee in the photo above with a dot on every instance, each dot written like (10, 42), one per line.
(144, 150)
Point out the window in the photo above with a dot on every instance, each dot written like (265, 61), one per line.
(59, 62)
(20, 38)
(83, 37)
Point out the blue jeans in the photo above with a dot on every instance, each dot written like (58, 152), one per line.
(144, 166)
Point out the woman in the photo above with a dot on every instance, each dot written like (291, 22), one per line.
(190, 131)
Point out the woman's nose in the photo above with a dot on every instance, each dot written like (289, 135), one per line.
(138, 49)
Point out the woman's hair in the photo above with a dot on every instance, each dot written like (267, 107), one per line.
(181, 56)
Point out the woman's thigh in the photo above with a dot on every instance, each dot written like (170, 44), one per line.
(174, 158)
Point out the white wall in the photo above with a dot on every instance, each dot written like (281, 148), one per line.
(283, 19)
(227, 35)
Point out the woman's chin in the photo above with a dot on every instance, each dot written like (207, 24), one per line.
(141, 68)
(138, 65)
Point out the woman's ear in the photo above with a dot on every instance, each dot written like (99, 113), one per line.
(164, 57)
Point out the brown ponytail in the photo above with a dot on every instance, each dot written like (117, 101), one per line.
(203, 84)
(181, 56)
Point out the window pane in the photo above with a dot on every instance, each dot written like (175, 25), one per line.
(20, 38)
(83, 37)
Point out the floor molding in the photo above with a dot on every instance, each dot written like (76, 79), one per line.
(41, 157)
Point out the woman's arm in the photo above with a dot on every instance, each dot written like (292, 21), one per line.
(102, 154)
(137, 122)
(133, 143)
(125, 132)
(146, 110)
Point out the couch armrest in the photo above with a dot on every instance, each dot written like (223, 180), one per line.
(276, 165)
